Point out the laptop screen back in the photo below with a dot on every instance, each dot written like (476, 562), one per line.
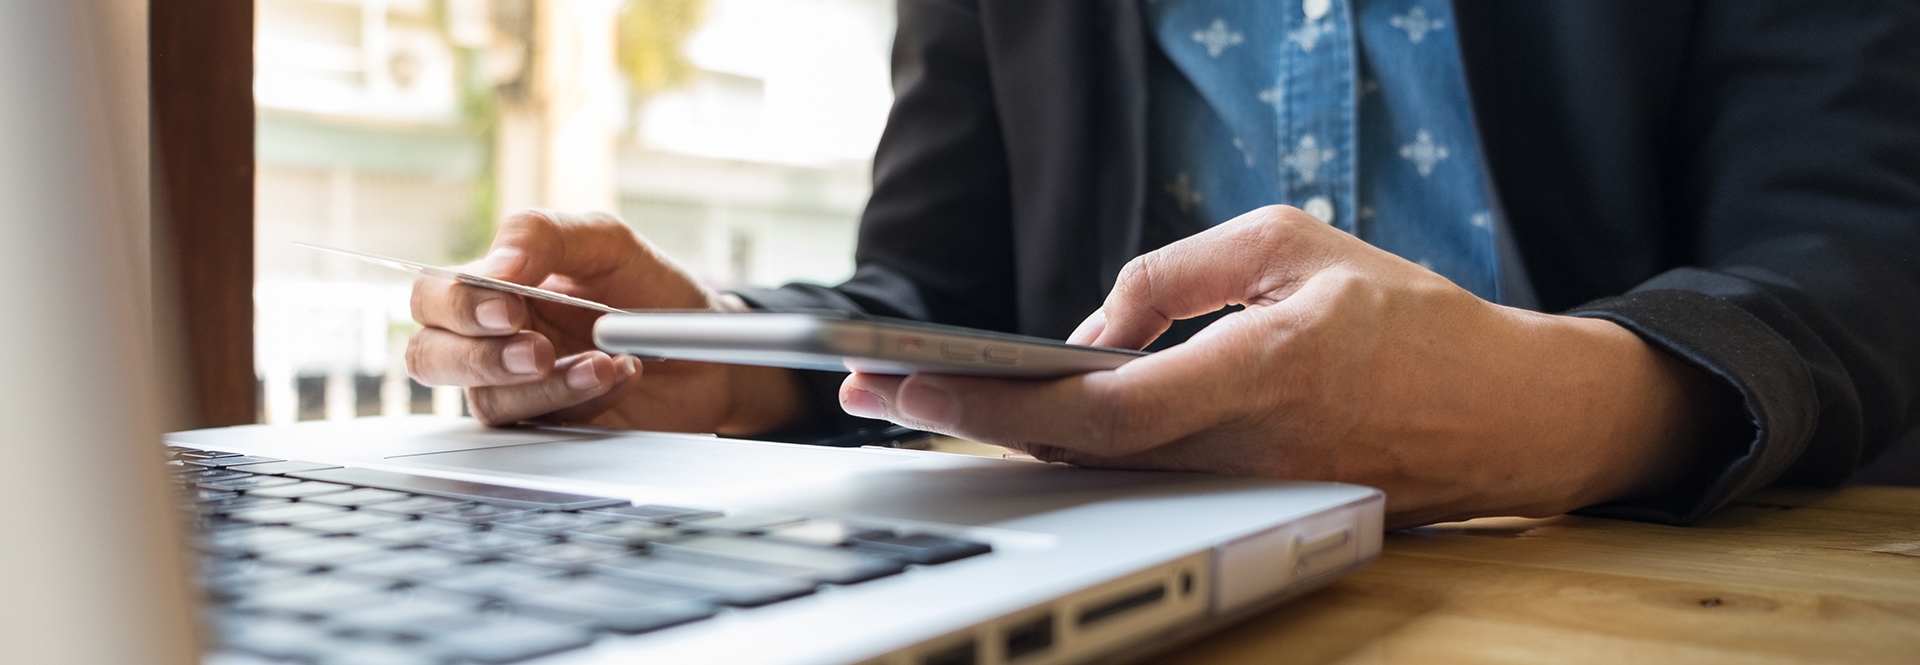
(91, 569)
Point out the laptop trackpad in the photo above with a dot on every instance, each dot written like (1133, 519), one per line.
(666, 462)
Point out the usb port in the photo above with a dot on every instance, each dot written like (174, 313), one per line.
(1029, 637)
(1122, 605)
(958, 654)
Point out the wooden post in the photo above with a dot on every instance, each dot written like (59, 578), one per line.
(201, 68)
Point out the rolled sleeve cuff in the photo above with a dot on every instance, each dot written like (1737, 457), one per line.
(1718, 337)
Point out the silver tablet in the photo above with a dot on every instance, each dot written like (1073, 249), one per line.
(839, 342)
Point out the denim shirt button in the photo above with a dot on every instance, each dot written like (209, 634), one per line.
(1320, 207)
(1315, 8)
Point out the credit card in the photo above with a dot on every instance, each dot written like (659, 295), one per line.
(467, 278)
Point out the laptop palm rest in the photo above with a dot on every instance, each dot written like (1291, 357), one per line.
(900, 484)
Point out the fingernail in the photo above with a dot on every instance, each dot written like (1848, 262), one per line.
(582, 377)
(518, 358)
(1089, 329)
(492, 315)
(863, 404)
(499, 260)
(627, 367)
(928, 404)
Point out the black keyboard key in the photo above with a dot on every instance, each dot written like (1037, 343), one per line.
(412, 614)
(343, 651)
(652, 513)
(229, 578)
(548, 523)
(827, 564)
(245, 483)
(414, 505)
(279, 468)
(201, 454)
(737, 523)
(206, 496)
(288, 513)
(298, 490)
(828, 532)
(627, 534)
(313, 596)
(921, 548)
(325, 552)
(485, 543)
(238, 503)
(414, 533)
(365, 496)
(404, 564)
(482, 579)
(509, 639)
(567, 555)
(474, 513)
(272, 637)
(735, 582)
(465, 491)
(196, 475)
(353, 523)
(254, 540)
(224, 462)
(612, 604)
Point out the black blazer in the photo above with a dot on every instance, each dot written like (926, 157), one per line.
(1738, 181)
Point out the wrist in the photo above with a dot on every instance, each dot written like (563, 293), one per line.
(1644, 421)
(761, 399)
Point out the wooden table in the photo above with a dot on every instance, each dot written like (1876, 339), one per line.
(1785, 577)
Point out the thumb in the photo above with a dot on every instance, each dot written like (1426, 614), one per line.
(1262, 256)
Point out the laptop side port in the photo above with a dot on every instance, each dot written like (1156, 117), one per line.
(1029, 637)
(964, 653)
(1093, 614)
(1083, 626)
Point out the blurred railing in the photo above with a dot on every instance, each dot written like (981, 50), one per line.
(337, 350)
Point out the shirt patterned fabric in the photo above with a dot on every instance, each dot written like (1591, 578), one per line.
(1355, 111)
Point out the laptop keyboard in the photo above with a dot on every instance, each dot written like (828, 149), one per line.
(315, 564)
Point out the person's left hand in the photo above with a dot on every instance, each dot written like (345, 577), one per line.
(1348, 364)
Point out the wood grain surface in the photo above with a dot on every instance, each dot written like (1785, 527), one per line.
(1789, 576)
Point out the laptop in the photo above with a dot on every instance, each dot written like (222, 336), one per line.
(438, 538)
(435, 540)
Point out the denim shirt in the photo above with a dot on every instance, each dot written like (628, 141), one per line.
(1355, 111)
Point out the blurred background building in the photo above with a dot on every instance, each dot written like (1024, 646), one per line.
(735, 134)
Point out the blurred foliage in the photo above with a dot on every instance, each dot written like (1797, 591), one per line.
(651, 40)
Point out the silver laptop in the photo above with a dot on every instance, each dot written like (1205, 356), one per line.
(467, 544)
(425, 540)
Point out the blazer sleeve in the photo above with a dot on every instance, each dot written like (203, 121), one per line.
(1798, 168)
(936, 239)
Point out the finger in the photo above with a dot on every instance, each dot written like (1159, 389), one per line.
(438, 357)
(1259, 256)
(1090, 329)
(559, 251)
(467, 310)
(626, 377)
(1143, 404)
(575, 380)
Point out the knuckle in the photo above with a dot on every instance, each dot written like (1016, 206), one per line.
(531, 219)
(416, 356)
(1135, 282)
(416, 302)
(602, 218)
(484, 405)
(476, 359)
(1118, 423)
(1138, 270)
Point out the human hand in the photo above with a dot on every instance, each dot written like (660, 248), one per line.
(1348, 364)
(522, 359)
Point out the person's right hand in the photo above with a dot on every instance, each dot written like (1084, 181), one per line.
(523, 359)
